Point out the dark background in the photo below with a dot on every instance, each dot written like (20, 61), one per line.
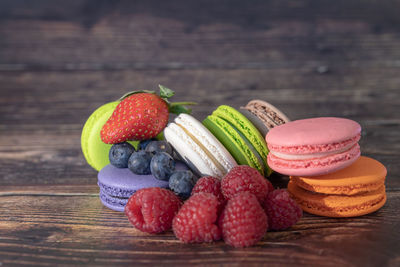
(60, 60)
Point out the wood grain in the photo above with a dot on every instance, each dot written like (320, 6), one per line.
(76, 229)
(60, 60)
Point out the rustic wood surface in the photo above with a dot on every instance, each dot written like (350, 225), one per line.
(60, 60)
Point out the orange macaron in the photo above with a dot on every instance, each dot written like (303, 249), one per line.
(354, 191)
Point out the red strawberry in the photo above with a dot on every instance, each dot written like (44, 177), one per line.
(140, 115)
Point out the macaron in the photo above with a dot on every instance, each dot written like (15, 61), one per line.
(199, 148)
(315, 146)
(364, 175)
(240, 137)
(330, 205)
(263, 115)
(118, 184)
(94, 150)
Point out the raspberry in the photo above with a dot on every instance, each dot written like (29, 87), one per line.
(152, 209)
(209, 184)
(270, 186)
(196, 221)
(243, 222)
(282, 211)
(245, 178)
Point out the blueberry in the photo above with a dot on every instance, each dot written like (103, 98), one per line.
(162, 165)
(159, 146)
(182, 183)
(143, 144)
(119, 154)
(139, 162)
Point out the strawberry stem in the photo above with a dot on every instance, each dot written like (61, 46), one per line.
(183, 103)
(177, 107)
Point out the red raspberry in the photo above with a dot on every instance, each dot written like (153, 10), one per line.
(282, 211)
(270, 186)
(152, 209)
(196, 221)
(243, 222)
(245, 178)
(209, 184)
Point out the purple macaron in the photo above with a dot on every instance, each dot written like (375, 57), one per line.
(117, 185)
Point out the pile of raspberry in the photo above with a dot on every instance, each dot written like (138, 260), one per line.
(239, 209)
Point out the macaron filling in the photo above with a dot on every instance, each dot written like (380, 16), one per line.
(204, 148)
(338, 190)
(205, 165)
(288, 156)
(115, 192)
(113, 200)
(307, 149)
(347, 155)
(208, 142)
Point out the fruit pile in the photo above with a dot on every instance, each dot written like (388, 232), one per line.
(239, 209)
(238, 206)
(156, 158)
(141, 116)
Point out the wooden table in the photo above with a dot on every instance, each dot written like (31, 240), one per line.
(60, 60)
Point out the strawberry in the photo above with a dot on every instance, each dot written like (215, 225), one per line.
(141, 115)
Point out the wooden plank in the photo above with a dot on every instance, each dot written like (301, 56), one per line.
(76, 229)
(87, 35)
(42, 113)
(73, 95)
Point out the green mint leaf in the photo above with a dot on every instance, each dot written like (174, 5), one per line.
(165, 92)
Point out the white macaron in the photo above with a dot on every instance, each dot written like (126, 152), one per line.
(198, 147)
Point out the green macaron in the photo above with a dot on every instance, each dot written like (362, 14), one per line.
(240, 137)
(94, 150)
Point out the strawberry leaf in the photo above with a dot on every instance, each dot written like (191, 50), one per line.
(165, 92)
(179, 107)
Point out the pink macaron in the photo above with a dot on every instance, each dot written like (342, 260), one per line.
(313, 146)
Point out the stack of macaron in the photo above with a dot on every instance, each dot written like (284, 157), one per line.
(111, 139)
(225, 138)
(327, 175)
(321, 155)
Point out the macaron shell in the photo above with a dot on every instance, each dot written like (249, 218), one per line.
(232, 141)
(114, 203)
(316, 166)
(323, 131)
(261, 126)
(251, 133)
(121, 182)
(267, 112)
(207, 141)
(365, 174)
(118, 184)
(338, 205)
(94, 150)
(190, 151)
